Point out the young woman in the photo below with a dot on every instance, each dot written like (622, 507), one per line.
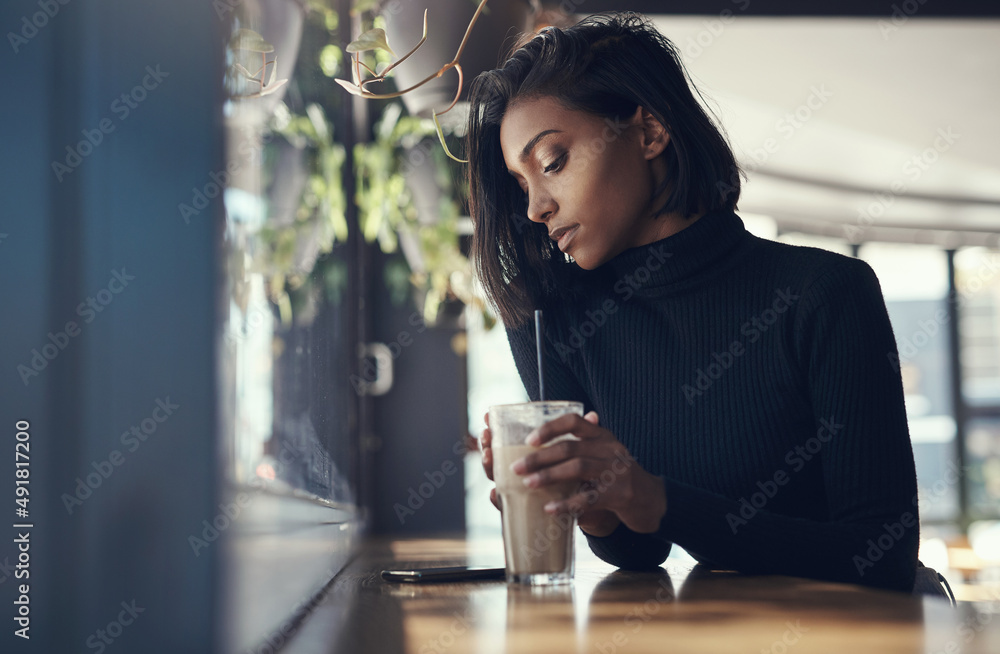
(741, 395)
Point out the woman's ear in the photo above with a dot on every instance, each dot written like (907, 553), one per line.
(655, 138)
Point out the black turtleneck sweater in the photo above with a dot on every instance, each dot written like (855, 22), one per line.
(757, 380)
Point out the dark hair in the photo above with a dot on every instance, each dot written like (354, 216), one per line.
(608, 65)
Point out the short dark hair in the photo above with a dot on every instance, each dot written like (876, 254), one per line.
(607, 65)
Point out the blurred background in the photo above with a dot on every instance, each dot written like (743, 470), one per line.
(242, 333)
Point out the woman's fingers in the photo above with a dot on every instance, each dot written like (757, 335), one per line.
(575, 504)
(494, 498)
(485, 444)
(488, 463)
(546, 456)
(575, 469)
(566, 424)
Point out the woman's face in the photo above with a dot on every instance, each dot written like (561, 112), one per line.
(588, 179)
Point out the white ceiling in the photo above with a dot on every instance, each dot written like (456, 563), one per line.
(892, 92)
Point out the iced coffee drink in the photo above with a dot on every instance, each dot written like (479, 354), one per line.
(538, 546)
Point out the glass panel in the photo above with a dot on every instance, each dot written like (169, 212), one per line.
(493, 379)
(285, 351)
(978, 283)
(914, 282)
(982, 451)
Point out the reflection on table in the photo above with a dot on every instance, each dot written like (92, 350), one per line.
(680, 607)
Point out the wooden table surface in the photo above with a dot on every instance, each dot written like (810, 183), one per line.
(681, 608)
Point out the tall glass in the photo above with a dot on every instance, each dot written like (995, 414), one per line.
(538, 546)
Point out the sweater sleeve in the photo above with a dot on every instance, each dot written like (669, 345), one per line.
(844, 345)
(622, 548)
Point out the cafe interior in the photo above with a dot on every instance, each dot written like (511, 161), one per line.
(280, 358)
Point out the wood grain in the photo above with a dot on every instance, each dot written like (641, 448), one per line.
(678, 608)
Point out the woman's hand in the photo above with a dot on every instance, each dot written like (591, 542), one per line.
(614, 488)
(597, 522)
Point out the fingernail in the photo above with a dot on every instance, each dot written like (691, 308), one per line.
(551, 507)
(531, 480)
(533, 438)
(518, 466)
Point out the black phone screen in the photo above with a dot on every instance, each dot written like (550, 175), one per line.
(460, 573)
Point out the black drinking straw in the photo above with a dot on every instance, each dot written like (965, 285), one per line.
(541, 359)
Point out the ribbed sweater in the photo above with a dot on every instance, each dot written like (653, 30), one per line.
(757, 379)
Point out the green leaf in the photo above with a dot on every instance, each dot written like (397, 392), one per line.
(274, 71)
(371, 40)
(354, 89)
(444, 145)
(268, 90)
(249, 40)
(243, 71)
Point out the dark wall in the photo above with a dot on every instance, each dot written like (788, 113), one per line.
(418, 441)
(110, 513)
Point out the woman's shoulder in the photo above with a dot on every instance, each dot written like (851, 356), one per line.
(807, 266)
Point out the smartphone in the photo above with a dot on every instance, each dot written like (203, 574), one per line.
(460, 573)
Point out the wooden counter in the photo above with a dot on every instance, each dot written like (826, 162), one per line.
(681, 608)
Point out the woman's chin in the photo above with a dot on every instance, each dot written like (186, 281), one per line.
(588, 260)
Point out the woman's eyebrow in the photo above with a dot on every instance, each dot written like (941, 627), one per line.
(529, 146)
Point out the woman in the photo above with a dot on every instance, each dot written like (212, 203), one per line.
(740, 395)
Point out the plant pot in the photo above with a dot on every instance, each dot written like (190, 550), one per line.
(495, 31)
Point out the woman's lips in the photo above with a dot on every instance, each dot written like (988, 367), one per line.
(566, 237)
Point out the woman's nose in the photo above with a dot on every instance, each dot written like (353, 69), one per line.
(541, 207)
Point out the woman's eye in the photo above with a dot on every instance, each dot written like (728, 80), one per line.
(555, 165)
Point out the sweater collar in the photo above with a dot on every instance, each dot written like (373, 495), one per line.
(691, 252)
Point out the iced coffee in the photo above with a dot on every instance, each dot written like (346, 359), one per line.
(538, 546)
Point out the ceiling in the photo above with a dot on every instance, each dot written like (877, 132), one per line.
(858, 127)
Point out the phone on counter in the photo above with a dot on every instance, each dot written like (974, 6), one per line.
(460, 573)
